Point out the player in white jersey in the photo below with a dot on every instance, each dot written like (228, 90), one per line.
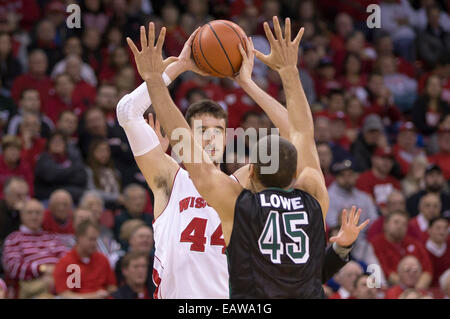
(190, 259)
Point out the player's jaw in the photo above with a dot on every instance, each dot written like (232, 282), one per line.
(210, 132)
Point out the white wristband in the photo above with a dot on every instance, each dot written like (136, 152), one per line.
(166, 79)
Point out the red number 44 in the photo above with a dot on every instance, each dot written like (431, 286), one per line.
(195, 233)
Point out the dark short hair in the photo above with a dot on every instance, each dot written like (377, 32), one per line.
(195, 90)
(436, 219)
(287, 162)
(83, 227)
(129, 257)
(396, 212)
(54, 135)
(208, 107)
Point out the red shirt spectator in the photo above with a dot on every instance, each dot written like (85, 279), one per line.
(27, 11)
(406, 150)
(96, 278)
(213, 91)
(51, 225)
(12, 165)
(376, 228)
(31, 155)
(36, 78)
(377, 182)
(390, 253)
(95, 272)
(438, 248)
(429, 208)
(69, 96)
(238, 103)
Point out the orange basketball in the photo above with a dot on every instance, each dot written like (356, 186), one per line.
(215, 48)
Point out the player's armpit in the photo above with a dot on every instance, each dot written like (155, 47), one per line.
(220, 192)
(311, 180)
(159, 170)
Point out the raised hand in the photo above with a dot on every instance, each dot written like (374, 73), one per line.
(185, 57)
(248, 59)
(283, 51)
(163, 139)
(349, 228)
(149, 60)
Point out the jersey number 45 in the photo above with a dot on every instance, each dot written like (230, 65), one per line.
(270, 240)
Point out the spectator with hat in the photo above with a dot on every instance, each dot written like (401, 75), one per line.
(429, 208)
(344, 194)
(405, 150)
(434, 183)
(438, 247)
(377, 181)
(442, 157)
(326, 78)
(372, 135)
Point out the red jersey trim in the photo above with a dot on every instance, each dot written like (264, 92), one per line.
(170, 196)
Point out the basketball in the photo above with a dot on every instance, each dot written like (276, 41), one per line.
(215, 48)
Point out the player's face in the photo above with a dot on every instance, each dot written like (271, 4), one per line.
(210, 132)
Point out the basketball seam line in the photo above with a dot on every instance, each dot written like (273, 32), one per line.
(237, 33)
(212, 29)
(204, 57)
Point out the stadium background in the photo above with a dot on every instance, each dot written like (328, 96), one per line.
(380, 99)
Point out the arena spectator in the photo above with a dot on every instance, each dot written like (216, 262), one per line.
(12, 165)
(421, 20)
(322, 135)
(343, 28)
(389, 248)
(58, 217)
(93, 201)
(414, 181)
(56, 168)
(429, 208)
(397, 19)
(36, 77)
(45, 39)
(32, 142)
(402, 87)
(107, 100)
(438, 248)
(346, 278)
(175, 36)
(409, 272)
(429, 108)
(15, 191)
(117, 60)
(406, 149)
(433, 42)
(125, 81)
(442, 157)
(434, 183)
(67, 124)
(362, 290)
(94, 15)
(139, 238)
(395, 202)
(377, 182)
(96, 279)
(66, 97)
(102, 175)
(344, 194)
(9, 65)
(72, 46)
(29, 254)
(326, 159)
(367, 141)
(105, 241)
(91, 40)
(74, 68)
(135, 200)
(338, 129)
(134, 268)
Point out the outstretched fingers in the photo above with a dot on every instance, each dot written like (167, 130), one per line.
(363, 225)
(269, 33)
(144, 43)
(287, 30)
(151, 34)
(299, 36)
(133, 47)
(160, 42)
(277, 28)
(344, 218)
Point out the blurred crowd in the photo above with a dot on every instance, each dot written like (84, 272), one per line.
(72, 194)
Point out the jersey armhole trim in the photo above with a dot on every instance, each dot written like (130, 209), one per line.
(237, 179)
(170, 196)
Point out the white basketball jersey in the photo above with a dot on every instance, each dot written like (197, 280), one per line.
(190, 260)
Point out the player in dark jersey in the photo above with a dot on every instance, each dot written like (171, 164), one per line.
(274, 229)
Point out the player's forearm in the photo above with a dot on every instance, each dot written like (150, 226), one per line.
(175, 69)
(277, 113)
(299, 112)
